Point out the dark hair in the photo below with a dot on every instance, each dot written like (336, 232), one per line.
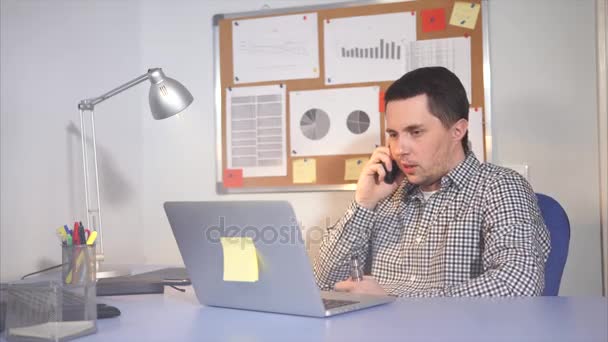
(447, 99)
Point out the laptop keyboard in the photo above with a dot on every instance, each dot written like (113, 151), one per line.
(336, 303)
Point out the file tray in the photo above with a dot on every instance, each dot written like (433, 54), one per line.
(49, 311)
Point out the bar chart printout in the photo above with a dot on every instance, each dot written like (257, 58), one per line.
(384, 50)
(367, 48)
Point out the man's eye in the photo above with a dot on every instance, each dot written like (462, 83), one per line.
(392, 135)
(416, 132)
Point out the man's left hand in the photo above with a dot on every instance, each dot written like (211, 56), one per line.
(368, 286)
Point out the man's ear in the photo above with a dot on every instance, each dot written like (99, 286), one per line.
(459, 129)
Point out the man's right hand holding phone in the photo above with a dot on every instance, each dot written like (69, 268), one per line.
(371, 187)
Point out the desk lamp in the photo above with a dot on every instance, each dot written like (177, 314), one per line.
(167, 97)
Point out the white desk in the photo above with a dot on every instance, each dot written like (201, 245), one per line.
(177, 316)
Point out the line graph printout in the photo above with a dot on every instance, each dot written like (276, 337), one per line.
(256, 130)
(275, 48)
(367, 48)
(451, 53)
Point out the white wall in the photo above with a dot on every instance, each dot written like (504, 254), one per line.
(53, 54)
(179, 155)
(544, 107)
(545, 115)
(602, 51)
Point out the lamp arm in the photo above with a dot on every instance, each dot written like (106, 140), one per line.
(89, 104)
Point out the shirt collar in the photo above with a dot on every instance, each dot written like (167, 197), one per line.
(463, 172)
(458, 176)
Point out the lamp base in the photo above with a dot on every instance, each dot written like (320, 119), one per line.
(121, 286)
(143, 283)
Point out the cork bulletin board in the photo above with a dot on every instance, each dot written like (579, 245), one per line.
(299, 92)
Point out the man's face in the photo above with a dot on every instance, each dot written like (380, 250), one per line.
(424, 149)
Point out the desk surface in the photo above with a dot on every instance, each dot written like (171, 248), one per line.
(177, 316)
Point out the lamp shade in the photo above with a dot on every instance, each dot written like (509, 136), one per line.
(167, 96)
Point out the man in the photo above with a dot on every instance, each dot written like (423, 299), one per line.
(449, 225)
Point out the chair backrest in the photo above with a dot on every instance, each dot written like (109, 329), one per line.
(558, 225)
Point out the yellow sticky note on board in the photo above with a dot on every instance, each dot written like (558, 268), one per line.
(465, 14)
(305, 170)
(240, 259)
(353, 168)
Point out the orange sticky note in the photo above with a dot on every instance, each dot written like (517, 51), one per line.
(433, 20)
(381, 102)
(233, 178)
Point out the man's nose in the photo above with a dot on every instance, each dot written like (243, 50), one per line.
(402, 147)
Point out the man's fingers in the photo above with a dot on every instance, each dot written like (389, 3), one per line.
(379, 170)
(344, 286)
(382, 157)
(369, 285)
(382, 149)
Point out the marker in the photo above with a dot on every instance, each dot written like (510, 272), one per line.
(81, 235)
(75, 234)
(61, 235)
(92, 237)
(68, 278)
(69, 240)
(61, 232)
(67, 230)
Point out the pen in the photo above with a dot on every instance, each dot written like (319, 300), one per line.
(355, 269)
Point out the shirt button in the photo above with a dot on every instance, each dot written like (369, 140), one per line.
(418, 239)
(413, 278)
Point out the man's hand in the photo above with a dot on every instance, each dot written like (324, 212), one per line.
(368, 286)
(371, 187)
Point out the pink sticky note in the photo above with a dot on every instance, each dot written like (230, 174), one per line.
(433, 20)
(233, 178)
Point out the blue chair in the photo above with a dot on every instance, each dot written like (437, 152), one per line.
(558, 225)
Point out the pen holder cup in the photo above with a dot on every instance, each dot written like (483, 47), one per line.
(79, 266)
(78, 277)
(56, 310)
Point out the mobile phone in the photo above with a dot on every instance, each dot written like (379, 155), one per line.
(392, 175)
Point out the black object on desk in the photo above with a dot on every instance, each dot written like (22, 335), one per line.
(2, 315)
(106, 311)
(144, 283)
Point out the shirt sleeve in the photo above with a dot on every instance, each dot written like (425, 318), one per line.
(350, 236)
(515, 245)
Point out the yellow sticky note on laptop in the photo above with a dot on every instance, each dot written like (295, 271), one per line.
(305, 170)
(240, 259)
(465, 14)
(353, 168)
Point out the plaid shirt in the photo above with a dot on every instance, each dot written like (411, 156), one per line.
(481, 234)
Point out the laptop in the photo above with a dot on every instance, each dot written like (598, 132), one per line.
(285, 282)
